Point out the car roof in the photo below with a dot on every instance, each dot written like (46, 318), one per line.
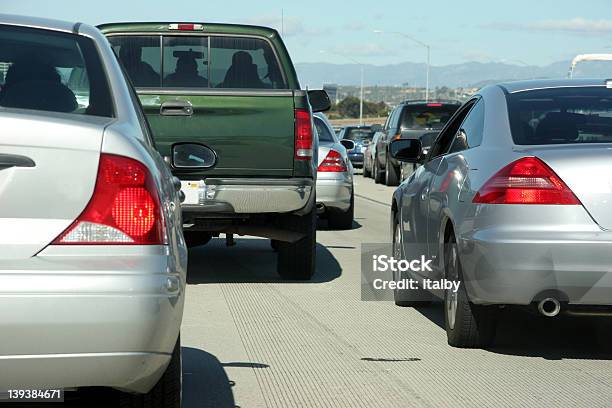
(164, 26)
(37, 22)
(412, 102)
(522, 86)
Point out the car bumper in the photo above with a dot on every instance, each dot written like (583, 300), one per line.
(517, 264)
(89, 320)
(246, 196)
(334, 190)
(356, 159)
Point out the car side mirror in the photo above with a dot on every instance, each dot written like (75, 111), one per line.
(319, 100)
(193, 156)
(348, 144)
(406, 150)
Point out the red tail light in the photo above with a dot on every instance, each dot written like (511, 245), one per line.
(333, 163)
(125, 208)
(526, 181)
(303, 134)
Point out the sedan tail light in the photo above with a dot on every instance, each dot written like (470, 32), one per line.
(333, 162)
(526, 181)
(125, 208)
(303, 134)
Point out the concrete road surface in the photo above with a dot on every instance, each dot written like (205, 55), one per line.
(252, 340)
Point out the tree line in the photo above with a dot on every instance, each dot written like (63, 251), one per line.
(349, 108)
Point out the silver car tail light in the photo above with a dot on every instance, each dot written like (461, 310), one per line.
(526, 181)
(125, 208)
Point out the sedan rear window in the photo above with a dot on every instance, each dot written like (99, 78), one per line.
(359, 134)
(561, 116)
(173, 61)
(433, 116)
(51, 71)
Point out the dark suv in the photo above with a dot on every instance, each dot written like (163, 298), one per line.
(409, 120)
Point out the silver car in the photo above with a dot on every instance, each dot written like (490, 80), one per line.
(92, 256)
(514, 202)
(335, 195)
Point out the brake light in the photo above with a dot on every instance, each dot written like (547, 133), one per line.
(185, 27)
(434, 105)
(303, 134)
(526, 181)
(125, 208)
(333, 162)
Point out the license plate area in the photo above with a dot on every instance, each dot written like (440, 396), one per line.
(195, 191)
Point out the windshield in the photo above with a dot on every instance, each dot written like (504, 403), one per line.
(427, 117)
(561, 116)
(359, 134)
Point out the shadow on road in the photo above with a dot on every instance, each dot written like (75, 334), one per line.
(205, 382)
(323, 225)
(251, 260)
(525, 334)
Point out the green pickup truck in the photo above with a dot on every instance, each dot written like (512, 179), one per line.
(227, 112)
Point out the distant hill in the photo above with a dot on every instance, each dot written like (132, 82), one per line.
(469, 74)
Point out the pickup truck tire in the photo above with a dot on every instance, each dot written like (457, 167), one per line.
(167, 393)
(391, 174)
(296, 261)
(343, 220)
(196, 238)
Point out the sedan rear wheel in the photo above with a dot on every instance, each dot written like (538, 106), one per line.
(167, 393)
(467, 325)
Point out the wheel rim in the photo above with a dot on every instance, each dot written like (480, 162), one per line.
(450, 299)
(397, 249)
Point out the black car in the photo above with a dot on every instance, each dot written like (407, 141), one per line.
(361, 136)
(409, 120)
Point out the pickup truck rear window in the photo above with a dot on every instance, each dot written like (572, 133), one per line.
(179, 61)
(51, 71)
(561, 116)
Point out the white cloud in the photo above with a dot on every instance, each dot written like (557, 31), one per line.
(576, 25)
(288, 26)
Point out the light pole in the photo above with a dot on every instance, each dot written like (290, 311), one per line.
(422, 44)
(362, 74)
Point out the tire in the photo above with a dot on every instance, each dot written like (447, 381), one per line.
(467, 325)
(196, 238)
(296, 261)
(391, 174)
(405, 297)
(366, 172)
(378, 176)
(342, 220)
(167, 393)
(274, 245)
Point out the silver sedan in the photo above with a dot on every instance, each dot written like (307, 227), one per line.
(92, 256)
(335, 196)
(513, 202)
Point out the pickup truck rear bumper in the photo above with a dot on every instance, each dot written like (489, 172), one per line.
(246, 196)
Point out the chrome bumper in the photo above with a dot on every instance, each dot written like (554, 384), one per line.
(246, 196)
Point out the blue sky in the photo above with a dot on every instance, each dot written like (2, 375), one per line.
(517, 31)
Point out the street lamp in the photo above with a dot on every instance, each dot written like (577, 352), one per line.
(361, 92)
(422, 44)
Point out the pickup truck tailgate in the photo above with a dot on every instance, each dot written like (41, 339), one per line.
(251, 132)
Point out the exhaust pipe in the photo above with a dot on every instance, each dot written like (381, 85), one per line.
(549, 307)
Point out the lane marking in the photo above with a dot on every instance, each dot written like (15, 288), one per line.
(372, 200)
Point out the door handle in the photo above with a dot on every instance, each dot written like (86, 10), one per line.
(176, 108)
(15, 160)
(424, 193)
